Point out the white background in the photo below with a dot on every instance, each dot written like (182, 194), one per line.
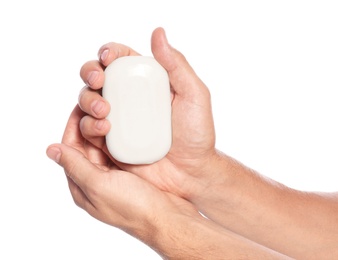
(271, 67)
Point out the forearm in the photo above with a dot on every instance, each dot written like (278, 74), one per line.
(296, 223)
(184, 237)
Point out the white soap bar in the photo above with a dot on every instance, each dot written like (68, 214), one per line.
(138, 91)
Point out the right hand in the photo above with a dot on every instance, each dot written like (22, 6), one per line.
(186, 168)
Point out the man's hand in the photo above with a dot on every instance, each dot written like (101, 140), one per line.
(185, 169)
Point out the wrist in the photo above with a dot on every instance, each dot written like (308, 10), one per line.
(215, 178)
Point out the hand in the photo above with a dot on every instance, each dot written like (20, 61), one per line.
(168, 224)
(108, 190)
(113, 196)
(185, 168)
(193, 169)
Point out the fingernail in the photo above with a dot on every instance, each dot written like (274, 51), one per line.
(104, 55)
(92, 77)
(97, 106)
(54, 153)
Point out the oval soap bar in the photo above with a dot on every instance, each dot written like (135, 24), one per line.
(138, 91)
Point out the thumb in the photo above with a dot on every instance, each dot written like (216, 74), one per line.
(75, 164)
(183, 79)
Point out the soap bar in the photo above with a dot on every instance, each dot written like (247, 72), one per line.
(138, 91)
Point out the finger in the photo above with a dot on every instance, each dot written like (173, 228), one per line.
(72, 135)
(76, 166)
(94, 130)
(93, 103)
(183, 79)
(111, 51)
(92, 71)
(92, 74)
(80, 199)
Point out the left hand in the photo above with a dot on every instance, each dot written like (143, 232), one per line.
(113, 196)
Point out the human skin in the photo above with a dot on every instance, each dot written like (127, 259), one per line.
(167, 223)
(299, 224)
